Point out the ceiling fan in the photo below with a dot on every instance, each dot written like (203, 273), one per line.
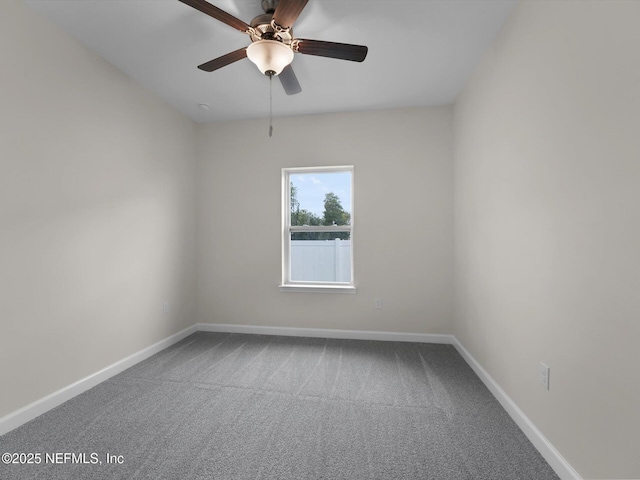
(272, 42)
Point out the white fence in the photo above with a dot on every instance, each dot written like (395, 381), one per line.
(321, 260)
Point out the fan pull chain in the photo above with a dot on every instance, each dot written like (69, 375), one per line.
(270, 106)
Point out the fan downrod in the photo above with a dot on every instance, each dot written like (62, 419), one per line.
(269, 6)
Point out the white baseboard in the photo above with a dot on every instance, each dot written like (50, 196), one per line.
(557, 462)
(326, 333)
(539, 441)
(37, 408)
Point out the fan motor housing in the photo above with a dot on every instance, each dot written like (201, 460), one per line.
(263, 26)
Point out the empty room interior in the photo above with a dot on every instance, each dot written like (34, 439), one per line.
(416, 257)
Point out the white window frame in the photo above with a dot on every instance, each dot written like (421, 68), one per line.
(287, 284)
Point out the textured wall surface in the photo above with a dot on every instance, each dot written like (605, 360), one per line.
(547, 225)
(97, 211)
(403, 194)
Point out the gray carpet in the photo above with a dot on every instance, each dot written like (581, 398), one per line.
(230, 406)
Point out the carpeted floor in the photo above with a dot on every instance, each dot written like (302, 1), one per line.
(231, 406)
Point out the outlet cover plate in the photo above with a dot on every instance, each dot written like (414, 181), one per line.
(543, 375)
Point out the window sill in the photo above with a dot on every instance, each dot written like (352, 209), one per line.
(318, 289)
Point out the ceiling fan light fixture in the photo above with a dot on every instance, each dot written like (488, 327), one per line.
(270, 55)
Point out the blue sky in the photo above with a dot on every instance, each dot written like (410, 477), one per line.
(312, 188)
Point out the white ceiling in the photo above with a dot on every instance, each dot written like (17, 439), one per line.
(421, 52)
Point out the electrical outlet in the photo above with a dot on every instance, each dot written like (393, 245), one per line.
(377, 303)
(165, 307)
(543, 375)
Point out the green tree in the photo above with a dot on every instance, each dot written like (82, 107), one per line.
(334, 213)
(302, 217)
(295, 204)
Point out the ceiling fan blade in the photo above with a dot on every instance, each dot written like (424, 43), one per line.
(224, 60)
(218, 14)
(288, 11)
(342, 51)
(289, 81)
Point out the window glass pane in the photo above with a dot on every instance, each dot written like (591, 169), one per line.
(320, 198)
(321, 257)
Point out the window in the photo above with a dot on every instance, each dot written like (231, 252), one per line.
(317, 223)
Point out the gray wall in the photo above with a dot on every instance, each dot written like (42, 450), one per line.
(97, 212)
(402, 225)
(547, 225)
